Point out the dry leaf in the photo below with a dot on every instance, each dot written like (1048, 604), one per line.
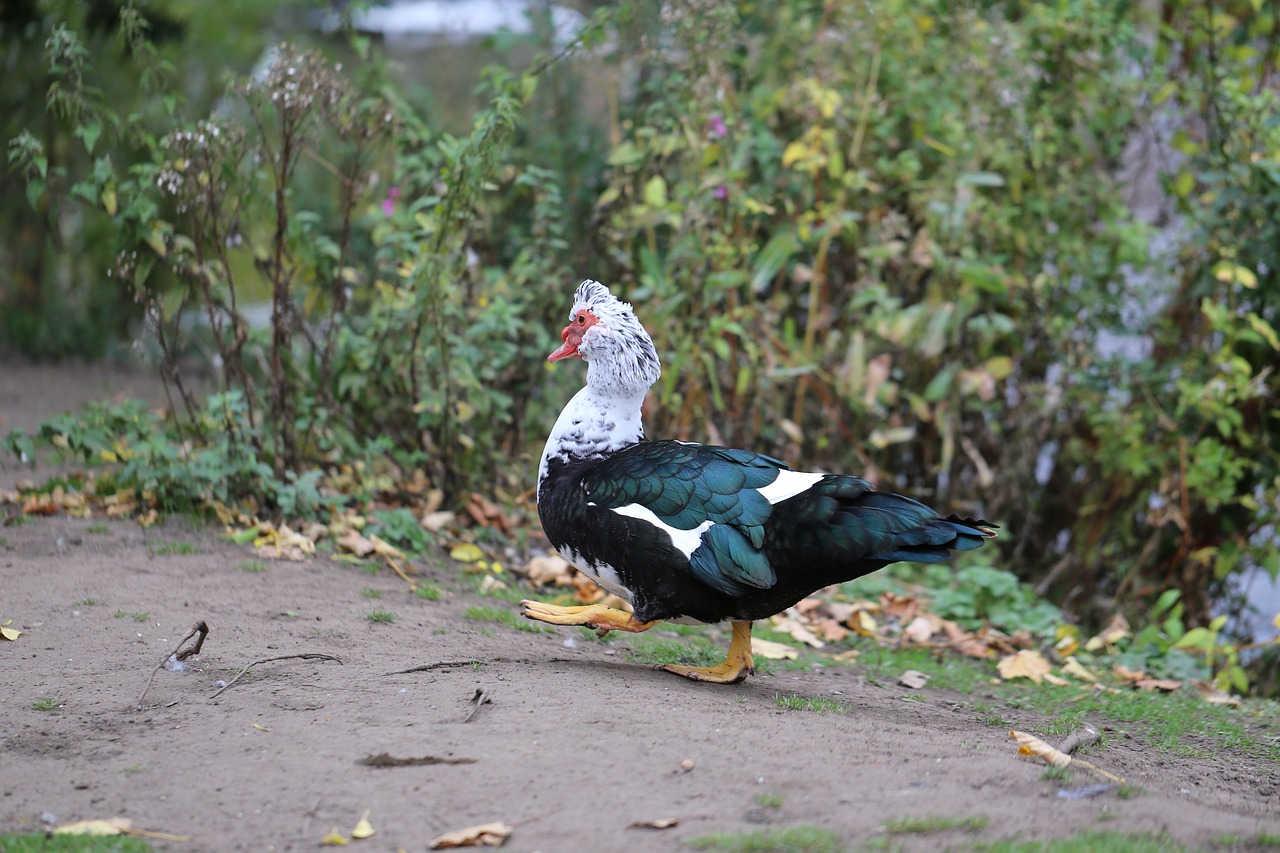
(830, 630)
(490, 584)
(1123, 673)
(965, 642)
(1115, 631)
(786, 625)
(9, 633)
(484, 835)
(585, 590)
(772, 651)
(364, 829)
(862, 623)
(922, 628)
(334, 839)
(1168, 685)
(466, 553)
(108, 826)
(1027, 663)
(354, 542)
(1036, 748)
(904, 608)
(913, 678)
(1214, 696)
(662, 823)
(434, 522)
(1076, 669)
(549, 570)
(383, 548)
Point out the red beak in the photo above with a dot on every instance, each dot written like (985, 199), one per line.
(569, 347)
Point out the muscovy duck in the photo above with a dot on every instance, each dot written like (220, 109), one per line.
(687, 531)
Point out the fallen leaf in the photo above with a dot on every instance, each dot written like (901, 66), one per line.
(1075, 669)
(1117, 629)
(1167, 685)
(1214, 696)
(334, 839)
(542, 571)
(913, 678)
(434, 522)
(484, 835)
(355, 542)
(364, 829)
(108, 826)
(9, 633)
(904, 608)
(1055, 680)
(786, 625)
(1066, 640)
(466, 553)
(922, 628)
(1036, 748)
(830, 630)
(490, 584)
(1027, 663)
(661, 823)
(1123, 673)
(862, 623)
(261, 728)
(772, 651)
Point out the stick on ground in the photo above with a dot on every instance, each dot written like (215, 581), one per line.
(199, 630)
(249, 666)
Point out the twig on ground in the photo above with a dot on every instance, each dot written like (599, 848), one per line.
(199, 630)
(1082, 736)
(304, 656)
(444, 664)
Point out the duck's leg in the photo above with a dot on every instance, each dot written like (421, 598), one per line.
(736, 667)
(603, 619)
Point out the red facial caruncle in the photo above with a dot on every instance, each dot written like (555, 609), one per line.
(572, 334)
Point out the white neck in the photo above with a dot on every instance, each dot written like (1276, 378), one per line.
(592, 426)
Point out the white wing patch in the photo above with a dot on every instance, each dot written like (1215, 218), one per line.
(686, 541)
(602, 573)
(788, 485)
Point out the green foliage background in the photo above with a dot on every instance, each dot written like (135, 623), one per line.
(891, 237)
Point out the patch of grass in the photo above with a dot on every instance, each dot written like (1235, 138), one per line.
(439, 630)
(429, 591)
(97, 529)
(1128, 791)
(789, 839)
(136, 768)
(946, 672)
(769, 801)
(506, 618)
(371, 593)
(660, 651)
(4, 543)
(135, 615)
(39, 842)
(254, 566)
(936, 823)
(45, 703)
(1055, 774)
(1266, 839)
(183, 548)
(18, 521)
(1087, 842)
(817, 704)
(381, 617)
(87, 602)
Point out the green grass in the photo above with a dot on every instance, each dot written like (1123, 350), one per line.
(660, 651)
(87, 602)
(45, 703)
(817, 704)
(4, 543)
(790, 839)
(935, 823)
(136, 768)
(1055, 774)
(371, 593)
(1261, 841)
(1086, 842)
(183, 548)
(506, 618)
(135, 615)
(254, 566)
(769, 801)
(39, 842)
(381, 617)
(429, 591)
(97, 529)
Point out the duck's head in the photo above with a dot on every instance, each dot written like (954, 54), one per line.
(604, 332)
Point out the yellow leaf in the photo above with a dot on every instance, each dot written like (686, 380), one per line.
(1055, 680)
(1066, 640)
(1116, 630)
(108, 456)
(334, 839)
(772, 651)
(10, 633)
(109, 826)
(261, 728)
(485, 834)
(466, 553)
(1027, 663)
(862, 623)
(363, 829)
(1076, 669)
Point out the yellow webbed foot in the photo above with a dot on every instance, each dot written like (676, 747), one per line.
(736, 667)
(598, 616)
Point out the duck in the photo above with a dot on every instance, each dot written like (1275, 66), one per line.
(700, 533)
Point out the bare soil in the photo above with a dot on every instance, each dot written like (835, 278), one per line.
(575, 744)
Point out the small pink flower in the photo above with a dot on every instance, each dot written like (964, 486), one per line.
(389, 203)
(716, 128)
(721, 192)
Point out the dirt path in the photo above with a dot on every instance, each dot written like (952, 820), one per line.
(576, 744)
